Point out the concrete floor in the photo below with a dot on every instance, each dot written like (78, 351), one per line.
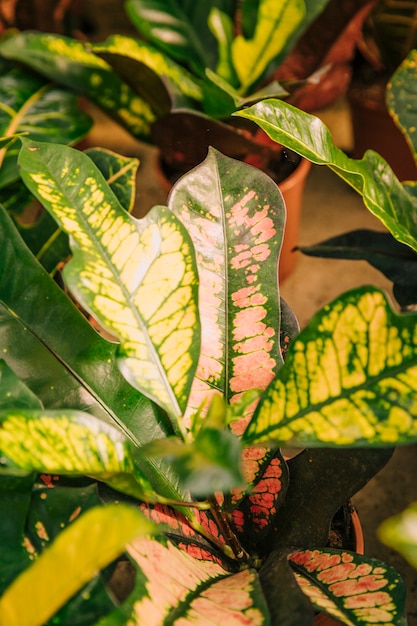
(330, 207)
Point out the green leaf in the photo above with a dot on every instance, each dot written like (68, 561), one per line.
(87, 545)
(400, 533)
(351, 588)
(210, 464)
(46, 113)
(68, 62)
(169, 28)
(13, 392)
(348, 379)
(401, 97)
(118, 262)
(70, 443)
(15, 493)
(204, 591)
(236, 230)
(371, 177)
(395, 260)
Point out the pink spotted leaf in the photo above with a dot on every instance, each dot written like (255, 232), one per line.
(353, 589)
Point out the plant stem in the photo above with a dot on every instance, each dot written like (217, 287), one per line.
(238, 551)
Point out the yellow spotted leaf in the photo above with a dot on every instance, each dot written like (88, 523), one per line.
(137, 277)
(350, 378)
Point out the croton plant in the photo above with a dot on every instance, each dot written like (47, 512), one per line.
(160, 436)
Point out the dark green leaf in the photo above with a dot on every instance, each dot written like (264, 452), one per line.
(15, 495)
(157, 79)
(394, 259)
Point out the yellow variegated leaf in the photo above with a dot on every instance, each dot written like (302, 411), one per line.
(350, 378)
(138, 277)
(84, 547)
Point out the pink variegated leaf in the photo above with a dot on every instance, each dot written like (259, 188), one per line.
(354, 589)
(204, 593)
(191, 536)
(255, 514)
(235, 216)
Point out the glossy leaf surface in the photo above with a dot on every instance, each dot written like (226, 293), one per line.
(236, 232)
(68, 62)
(400, 532)
(401, 97)
(349, 587)
(170, 28)
(117, 263)
(87, 545)
(348, 380)
(31, 105)
(394, 259)
(204, 593)
(371, 176)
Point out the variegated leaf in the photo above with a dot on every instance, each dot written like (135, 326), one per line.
(349, 379)
(277, 22)
(204, 594)
(33, 106)
(120, 173)
(256, 512)
(235, 216)
(138, 277)
(70, 443)
(148, 71)
(84, 547)
(68, 62)
(401, 96)
(354, 589)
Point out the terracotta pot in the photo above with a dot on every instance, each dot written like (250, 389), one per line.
(292, 189)
(326, 620)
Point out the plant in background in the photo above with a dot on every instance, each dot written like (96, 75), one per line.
(184, 413)
(194, 65)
